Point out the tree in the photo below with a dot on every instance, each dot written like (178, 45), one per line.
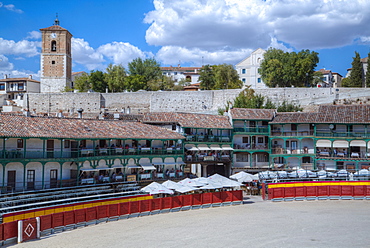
(226, 77)
(288, 107)
(346, 82)
(367, 76)
(97, 81)
(283, 69)
(247, 99)
(206, 78)
(82, 83)
(115, 78)
(317, 78)
(356, 72)
(135, 83)
(149, 69)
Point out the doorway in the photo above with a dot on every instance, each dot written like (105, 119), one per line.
(11, 180)
(50, 148)
(53, 178)
(30, 179)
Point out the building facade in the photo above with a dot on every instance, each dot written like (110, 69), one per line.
(190, 74)
(248, 70)
(56, 58)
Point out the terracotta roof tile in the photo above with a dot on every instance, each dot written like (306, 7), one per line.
(19, 79)
(189, 120)
(328, 114)
(252, 114)
(38, 127)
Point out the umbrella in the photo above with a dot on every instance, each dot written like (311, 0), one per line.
(212, 185)
(244, 177)
(190, 182)
(184, 189)
(156, 188)
(171, 184)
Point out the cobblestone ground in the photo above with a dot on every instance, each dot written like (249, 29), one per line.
(256, 223)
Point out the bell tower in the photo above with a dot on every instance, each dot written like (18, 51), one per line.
(56, 58)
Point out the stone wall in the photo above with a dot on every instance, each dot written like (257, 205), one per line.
(184, 101)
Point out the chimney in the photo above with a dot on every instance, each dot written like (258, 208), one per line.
(30, 77)
(60, 114)
(79, 111)
(26, 113)
(5, 76)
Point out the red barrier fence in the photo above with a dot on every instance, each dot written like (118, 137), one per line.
(9, 230)
(321, 189)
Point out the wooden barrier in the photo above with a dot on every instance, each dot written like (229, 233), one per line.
(320, 190)
(59, 218)
(10, 230)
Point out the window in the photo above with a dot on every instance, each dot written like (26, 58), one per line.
(53, 62)
(175, 73)
(259, 80)
(243, 80)
(2, 86)
(67, 144)
(245, 140)
(293, 127)
(20, 86)
(241, 157)
(53, 46)
(265, 123)
(262, 157)
(19, 143)
(243, 71)
(260, 140)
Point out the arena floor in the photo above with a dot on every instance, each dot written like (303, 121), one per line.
(256, 223)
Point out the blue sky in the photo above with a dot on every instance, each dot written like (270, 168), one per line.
(184, 32)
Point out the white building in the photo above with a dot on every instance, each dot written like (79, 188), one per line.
(191, 74)
(248, 70)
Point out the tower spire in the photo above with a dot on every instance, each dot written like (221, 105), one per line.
(56, 22)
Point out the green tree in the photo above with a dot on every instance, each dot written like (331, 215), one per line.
(135, 83)
(149, 69)
(317, 78)
(97, 81)
(248, 99)
(367, 76)
(356, 72)
(346, 82)
(115, 77)
(288, 107)
(206, 78)
(284, 69)
(82, 83)
(226, 77)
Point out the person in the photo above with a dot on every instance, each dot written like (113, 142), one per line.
(335, 152)
(113, 177)
(168, 173)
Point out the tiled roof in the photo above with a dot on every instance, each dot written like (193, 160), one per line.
(54, 27)
(175, 68)
(328, 114)
(189, 120)
(252, 114)
(38, 127)
(19, 79)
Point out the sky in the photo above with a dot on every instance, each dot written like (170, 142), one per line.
(185, 32)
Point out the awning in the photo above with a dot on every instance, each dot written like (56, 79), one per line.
(88, 169)
(323, 143)
(104, 168)
(117, 166)
(227, 148)
(193, 149)
(358, 143)
(203, 148)
(340, 143)
(215, 148)
(133, 166)
(148, 167)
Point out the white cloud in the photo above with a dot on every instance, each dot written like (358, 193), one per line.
(83, 53)
(5, 65)
(23, 47)
(213, 24)
(173, 55)
(34, 35)
(122, 52)
(11, 7)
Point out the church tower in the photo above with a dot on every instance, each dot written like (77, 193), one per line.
(56, 58)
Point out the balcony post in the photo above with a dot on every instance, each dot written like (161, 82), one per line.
(4, 139)
(24, 148)
(43, 175)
